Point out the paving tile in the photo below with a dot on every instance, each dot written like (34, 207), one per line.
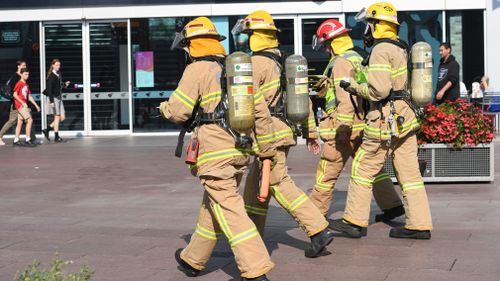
(123, 205)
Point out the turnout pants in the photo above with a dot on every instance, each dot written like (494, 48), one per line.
(367, 165)
(223, 212)
(331, 164)
(288, 195)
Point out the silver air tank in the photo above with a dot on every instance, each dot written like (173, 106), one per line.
(297, 90)
(421, 76)
(240, 92)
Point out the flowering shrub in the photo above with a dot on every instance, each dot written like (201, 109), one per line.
(458, 123)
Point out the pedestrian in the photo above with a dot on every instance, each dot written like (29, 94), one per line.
(268, 65)
(8, 94)
(391, 127)
(341, 127)
(22, 95)
(479, 88)
(53, 91)
(221, 161)
(448, 84)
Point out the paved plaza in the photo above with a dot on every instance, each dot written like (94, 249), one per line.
(123, 205)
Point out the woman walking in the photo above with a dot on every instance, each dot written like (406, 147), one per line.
(55, 104)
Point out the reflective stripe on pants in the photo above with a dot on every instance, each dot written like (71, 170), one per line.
(330, 166)
(223, 211)
(286, 193)
(357, 210)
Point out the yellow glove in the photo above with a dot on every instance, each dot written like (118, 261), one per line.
(322, 85)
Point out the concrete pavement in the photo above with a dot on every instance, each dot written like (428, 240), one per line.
(123, 205)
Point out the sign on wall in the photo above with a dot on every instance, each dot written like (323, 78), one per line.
(10, 36)
(144, 69)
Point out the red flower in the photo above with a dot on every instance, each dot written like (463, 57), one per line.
(458, 123)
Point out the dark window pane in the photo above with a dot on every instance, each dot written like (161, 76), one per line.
(466, 36)
(20, 40)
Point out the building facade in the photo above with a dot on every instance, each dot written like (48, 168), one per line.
(116, 52)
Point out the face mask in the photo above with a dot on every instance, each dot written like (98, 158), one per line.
(368, 39)
(241, 42)
(263, 39)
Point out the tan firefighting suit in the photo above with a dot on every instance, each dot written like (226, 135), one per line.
(341, 118)
(387, 71)
(220, 168)
(266, 74)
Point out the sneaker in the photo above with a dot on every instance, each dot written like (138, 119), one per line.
(46, 134)
(319, 243)
(58, 139)
(17, 143)
(346, 228)
(2, 143)
(30, 143)
(184, 266)
(402, 232)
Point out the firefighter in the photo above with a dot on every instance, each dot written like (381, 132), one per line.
(220, 162)
(391, 126)
(268, 65)
(341, 127)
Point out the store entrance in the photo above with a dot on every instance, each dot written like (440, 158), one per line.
(95, 58)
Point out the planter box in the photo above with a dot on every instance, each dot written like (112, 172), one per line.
(445, 164)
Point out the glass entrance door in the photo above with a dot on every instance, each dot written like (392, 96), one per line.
(64, 41)
(94, 57)
(108, 63)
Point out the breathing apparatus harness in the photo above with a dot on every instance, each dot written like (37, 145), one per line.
(279, 110)
(364, 104)
(219, 117)
(404, 95)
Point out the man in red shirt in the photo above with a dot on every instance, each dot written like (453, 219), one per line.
(22, 94)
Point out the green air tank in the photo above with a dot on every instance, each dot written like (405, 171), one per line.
(240, 92)
(297, 90)
(421, 76)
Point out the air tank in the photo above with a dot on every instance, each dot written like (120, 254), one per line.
(421, 76)
(297, 90)
(240, 92)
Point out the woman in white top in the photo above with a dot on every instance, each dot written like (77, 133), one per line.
(479, 86)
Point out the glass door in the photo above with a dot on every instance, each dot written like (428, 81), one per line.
(64, 41)
(109, 75)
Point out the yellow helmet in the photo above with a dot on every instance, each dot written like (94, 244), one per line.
(258, 20)
(383, 11)
(201, 26)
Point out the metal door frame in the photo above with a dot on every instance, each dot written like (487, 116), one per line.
(87, 72)
(87, 99)
(300, 18)
(43, 73)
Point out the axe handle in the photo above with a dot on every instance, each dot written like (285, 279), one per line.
(265, 180)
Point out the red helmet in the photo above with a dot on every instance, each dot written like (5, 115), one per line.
(327, 30)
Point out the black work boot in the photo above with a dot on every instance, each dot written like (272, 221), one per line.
(260, 278)
(349, 229)
(402, 232)
(184, 266)
(318, 243)
(390, 214)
